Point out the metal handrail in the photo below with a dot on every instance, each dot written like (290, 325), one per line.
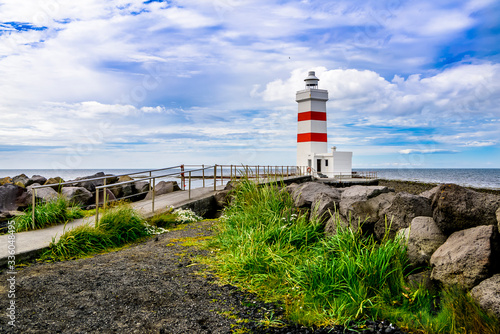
(105, 177)
(249, 171)
(153, 178)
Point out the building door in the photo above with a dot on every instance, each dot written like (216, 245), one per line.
(318, 165)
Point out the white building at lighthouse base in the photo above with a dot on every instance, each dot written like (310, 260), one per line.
(333, 164)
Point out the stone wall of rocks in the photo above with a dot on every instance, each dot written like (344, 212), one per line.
(452, 232)
(16, 192)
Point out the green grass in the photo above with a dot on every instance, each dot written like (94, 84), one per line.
(163, 220)
(47, 214)
(117, 227)
(268, 247)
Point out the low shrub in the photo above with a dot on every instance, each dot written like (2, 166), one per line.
(47, 214)
(122, 224)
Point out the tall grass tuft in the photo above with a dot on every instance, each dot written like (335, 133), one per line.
(265, 245)
(122, 224)
(117, 227)
(47, 214)
(79, 242)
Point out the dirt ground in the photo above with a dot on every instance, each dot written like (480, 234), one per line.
(152, 287)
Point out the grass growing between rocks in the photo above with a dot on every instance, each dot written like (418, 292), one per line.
(266, 246)
(47, 214)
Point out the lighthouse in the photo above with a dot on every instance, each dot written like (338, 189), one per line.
(312, 137)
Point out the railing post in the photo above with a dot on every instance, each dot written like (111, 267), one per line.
(203, 174)
(189, 190)
(150, 181)
(104, 193)
(153, 201)
(96, 206)
(215, 177)
(221, 176)
(33, 205)
(183, 181)
(231, 175)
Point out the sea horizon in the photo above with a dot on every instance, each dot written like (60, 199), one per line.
(470, 177)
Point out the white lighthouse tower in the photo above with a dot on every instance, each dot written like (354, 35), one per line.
(312, 138)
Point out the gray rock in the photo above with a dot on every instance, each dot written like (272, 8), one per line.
(355, 194)
(222, 198)
(422, 278)
(36, 179)
(55, 181)
(304, 194)
(456, 208)
(22, 178)
(91, 185)
(487, 295)
(400, 213)
(13, 197)
(77, 195)
(337, 221)
(109, 196)
(124, 190)
(498, 218)
(324, 206)
(430, 193)
(141, 186)
(424, 239)
(371, 211)
(467, 257)
(163, 187)
(45, 194)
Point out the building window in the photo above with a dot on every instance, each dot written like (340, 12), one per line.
(326, 162)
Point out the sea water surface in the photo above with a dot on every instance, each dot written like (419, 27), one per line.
(479, 178)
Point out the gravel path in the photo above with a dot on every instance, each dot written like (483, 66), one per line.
(152, 287)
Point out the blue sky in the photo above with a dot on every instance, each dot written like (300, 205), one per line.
(146, 84)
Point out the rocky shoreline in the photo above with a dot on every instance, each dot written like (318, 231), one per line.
(452, 232)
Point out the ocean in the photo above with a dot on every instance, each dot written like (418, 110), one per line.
(479, 178)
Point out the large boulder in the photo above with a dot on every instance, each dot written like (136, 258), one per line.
(423, 238)
(77, 195)
(429, 194)
(13, 197)
(109, 196)
(400, 213)
(355, 194)
(5, 180)
(498, 218)
(22, 178)
(124, 190)
(467, 257)
(457, 208)
(487, 294)
(305, 194)
(324, 206)
(163, 187)
(222, 198)
(46, 194)
(92, 184)
(56, 181)
(36, 179)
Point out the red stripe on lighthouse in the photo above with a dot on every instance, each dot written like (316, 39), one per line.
(312, 116)
(311, 136)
